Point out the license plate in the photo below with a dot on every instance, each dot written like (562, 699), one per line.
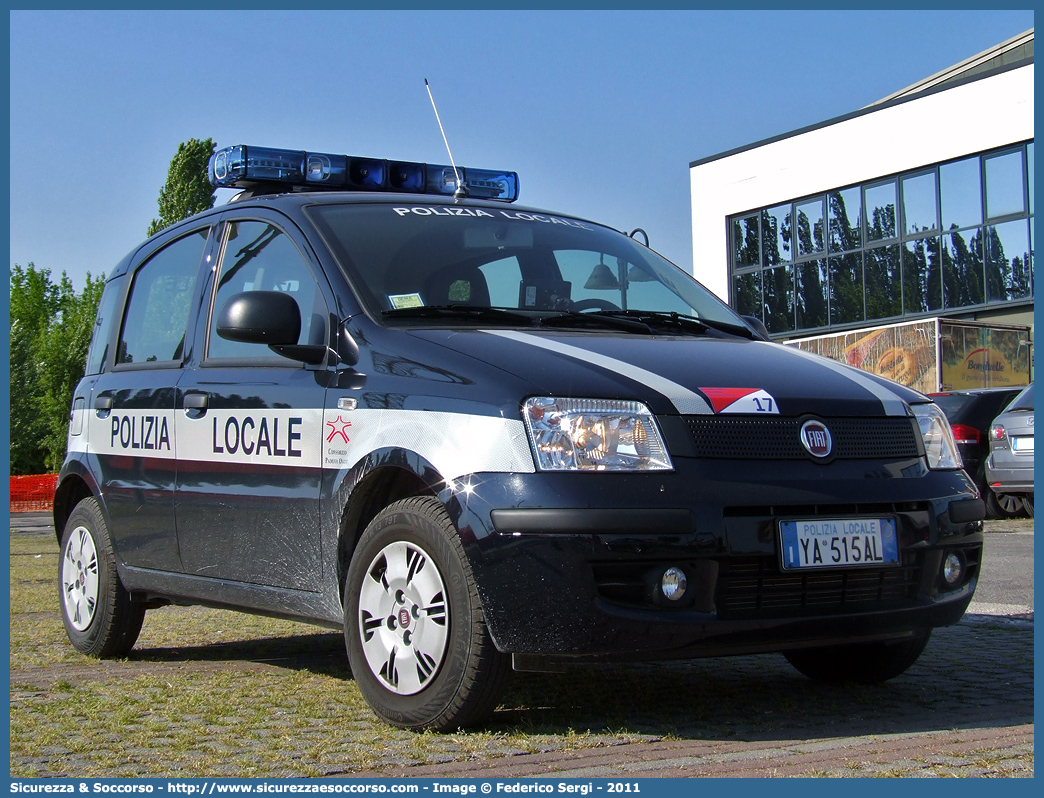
(838, 543)
(1022, 443)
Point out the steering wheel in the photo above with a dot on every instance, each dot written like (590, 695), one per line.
(592, 304)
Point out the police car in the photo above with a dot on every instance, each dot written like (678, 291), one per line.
(378, 396)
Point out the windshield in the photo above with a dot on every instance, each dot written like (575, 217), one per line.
(400, 257)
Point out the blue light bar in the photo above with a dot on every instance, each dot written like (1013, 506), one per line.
(253, 167)
(325, 169)
(258, 164)
(489, 184)
(480, 183)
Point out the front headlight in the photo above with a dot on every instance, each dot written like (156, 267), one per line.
(594, 435)
(939, 444)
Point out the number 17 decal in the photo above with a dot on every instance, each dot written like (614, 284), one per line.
(741, 400)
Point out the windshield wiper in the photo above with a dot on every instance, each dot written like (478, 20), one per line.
(599, 319)
(476, 312)
(741, 330)
(661, 319)
(655, 318)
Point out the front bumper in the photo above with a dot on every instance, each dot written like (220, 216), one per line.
(568, 565)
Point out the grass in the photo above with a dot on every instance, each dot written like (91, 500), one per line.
(215, 693)
(211, 692)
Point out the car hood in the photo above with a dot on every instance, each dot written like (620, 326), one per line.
(685, 375)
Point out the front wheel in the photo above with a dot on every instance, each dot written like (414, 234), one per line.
(99, 616)
(417, 642)
(867, 663)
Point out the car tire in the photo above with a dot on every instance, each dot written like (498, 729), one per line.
(417, 641)
(100, 618)
(867, 663)
(1027, 505)
(1003, 505)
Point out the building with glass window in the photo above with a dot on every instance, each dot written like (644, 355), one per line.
(920, 205)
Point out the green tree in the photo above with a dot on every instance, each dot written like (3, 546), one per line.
(51, 328)
(63, 352)
(187, 190)
(34, 300)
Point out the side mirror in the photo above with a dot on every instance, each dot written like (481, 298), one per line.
(260, 317)
(273, 318)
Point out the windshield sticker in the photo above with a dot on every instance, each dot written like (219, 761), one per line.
(402, 301)
(519, 216)
(741, 400)
(418, 210)
(544, 219)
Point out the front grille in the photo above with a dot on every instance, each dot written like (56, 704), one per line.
(756, 587)
(746, 438)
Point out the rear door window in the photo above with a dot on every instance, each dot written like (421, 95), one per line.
(156, 319)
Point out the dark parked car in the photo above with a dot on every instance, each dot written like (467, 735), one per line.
(1009, 468)
(971, 412)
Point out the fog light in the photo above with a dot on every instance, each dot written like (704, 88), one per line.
(673, 583)
(953, 569)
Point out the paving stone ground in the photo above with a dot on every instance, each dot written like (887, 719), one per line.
(1005, 751)
(965, 709)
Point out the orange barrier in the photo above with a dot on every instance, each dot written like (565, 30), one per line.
(33, 493)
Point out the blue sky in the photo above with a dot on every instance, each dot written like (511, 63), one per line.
(599, 112)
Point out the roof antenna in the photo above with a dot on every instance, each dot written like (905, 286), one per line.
(462, 190)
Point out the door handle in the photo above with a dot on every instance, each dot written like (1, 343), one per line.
(103, 403)
(196, 401)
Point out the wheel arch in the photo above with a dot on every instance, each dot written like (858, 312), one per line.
(384, 477)
(75, 484)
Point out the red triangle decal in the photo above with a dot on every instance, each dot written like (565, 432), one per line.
(721, 398)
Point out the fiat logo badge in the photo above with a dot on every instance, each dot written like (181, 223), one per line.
(815, 437)
(404, 618)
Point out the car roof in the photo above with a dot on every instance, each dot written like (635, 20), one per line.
(295, 201)
(301, 199)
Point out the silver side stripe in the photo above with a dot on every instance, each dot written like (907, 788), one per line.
(893, 405)
(687, 402)
(456, 444)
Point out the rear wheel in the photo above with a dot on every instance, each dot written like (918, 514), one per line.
(1027, 505)
(99, 616)
(417, 642)
(860, 662)
(1003, 505)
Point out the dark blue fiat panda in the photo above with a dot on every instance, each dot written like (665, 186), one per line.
(378, 396)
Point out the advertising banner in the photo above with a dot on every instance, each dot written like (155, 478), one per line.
(905, 353)
(983, 357)
(933, 354)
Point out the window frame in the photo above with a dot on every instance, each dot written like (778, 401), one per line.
(285, 227)
(143, 258)
(937, 283)
(987, 217)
